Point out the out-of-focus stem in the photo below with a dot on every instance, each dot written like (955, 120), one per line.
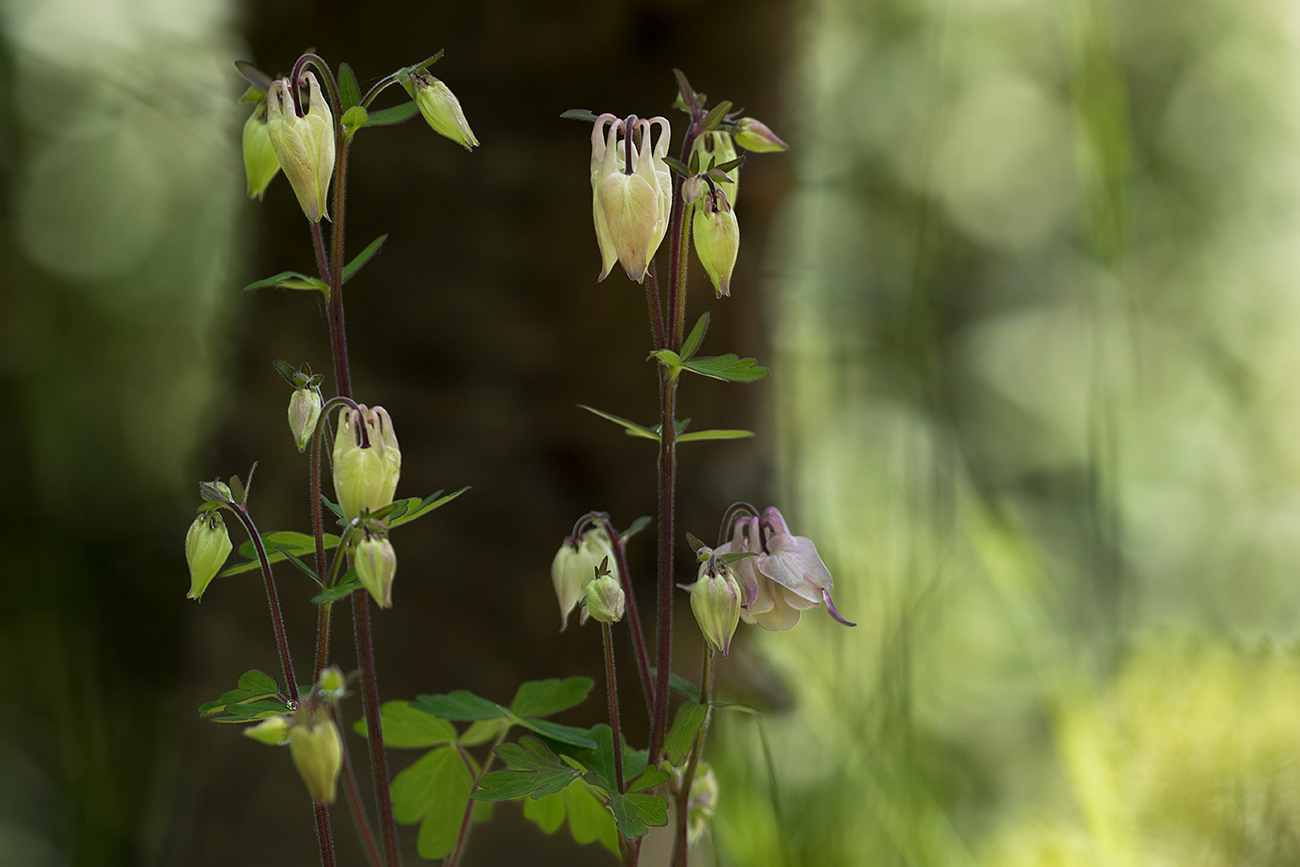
(615, 728)
(354, 800)
(633, 614)
(370, 699)
(324, 836)
(682, 851)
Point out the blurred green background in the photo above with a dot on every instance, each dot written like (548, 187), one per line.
(1024, 283)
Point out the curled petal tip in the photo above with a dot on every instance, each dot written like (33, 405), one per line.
(830, 608)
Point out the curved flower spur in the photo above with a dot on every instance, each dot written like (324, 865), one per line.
(631, 191)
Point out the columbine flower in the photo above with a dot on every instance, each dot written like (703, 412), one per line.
(631, 209)
(786, 577)
(717, 238)
(714, 149)
(753, 135)
(260, 163)
(442, 110)
(304, 411)
(365, 478)
(574, 567)
(376, 564)
(303, 145)
(317, 752)
(207, 545)
(604, 600)
(716, 601)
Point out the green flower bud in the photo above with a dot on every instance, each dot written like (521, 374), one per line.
(260, 163)
(715, 601)
(442, 110)
(317, 752)
(332, 684)
(605, 600)
(574, 567)
(717, 239)
(304, 411)
(714, 149)
(376, 564)
(365, 478)
(303, 145)
(207, 545)
(753, 135)
(272, 731)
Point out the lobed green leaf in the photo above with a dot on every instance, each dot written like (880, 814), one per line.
(459, 705)
(408, 727)
(729, 368)
(538, 698)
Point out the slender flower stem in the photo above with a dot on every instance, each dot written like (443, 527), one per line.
(318, 244)
(338, 334)
(463, 837)
(324, 835)
(272, 598)
(613, 705)
(681, 853)
(655, 308)
(633, 615)
(354, 800)
(370, 699)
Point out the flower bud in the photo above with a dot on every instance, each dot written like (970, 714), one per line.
(753, 135)
(693, 188)
(365, 477)
(715, 601)
(260, 163)
(317, 752)
(376, 564)
(304, 146)
(332, 684)
(207, 545)
(442, 110)
(714, 149)
(605, 599)
(574, 567)
(304, 411)
(717, 239)
(272, 731)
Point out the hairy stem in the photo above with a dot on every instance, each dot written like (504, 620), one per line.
(633, 614)
(681, 852)
(463, 837)
(272, 598)
(370, 699)
(354, 800)
(613, 705)
(324, 835)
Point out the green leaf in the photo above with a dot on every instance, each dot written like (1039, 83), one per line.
(545, 697)
(589, 821)
(425, 64)
(406, 727)
(583, 114)
(547, 811)
(480, 732)
(277, 545)
(726, 705)
(667, 358)
(338, 513)
(390, 116)
(637, 526)
(696, 436)
(353, 119)
(297, 561)
(679, 683)
(460, 705)
(349, 93)
(635, 810)
(555, 731)
(534, 770)
(686, 725)
(412, 789)
(441, 825)
(648, 779)
(363, 257)
(255, 680)
(351, 581)
(727, 367)
(289, 280)
(677, 166)
(599, 760)
(427, 505)
(255, 76)
(633, 429)
(715, 116)
(693, 340)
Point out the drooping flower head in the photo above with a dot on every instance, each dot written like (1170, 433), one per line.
(575, 566)
(717, 238)
(260, 163)
(365, 476)
(631, 191)
(441, 109)
(304, 145)
(716, 601)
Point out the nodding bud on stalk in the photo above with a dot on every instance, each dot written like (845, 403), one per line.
(376, 564)
(304, 146)
(714, 149)
(260, 163)
(631, 204)
(207, 545)
(304, 411)
(441, 109)
(575, 566)
(717, 238)
(753, 135)
(605, 600)
(365, 478)
(317, 751)
(716, 603)
(272, 731)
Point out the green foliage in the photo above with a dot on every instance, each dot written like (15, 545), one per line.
(350, 582)
(279, 546)
(539, 698)
(418, 508)
(349, 93)
(726, 367)
(434, 791)
(256, 697)
(589, 821)
(406, 727)
(396, 114)
(633, 429)
(534, 770)
(690, 716)
(680, 684)
(289, 280)
(362, 258)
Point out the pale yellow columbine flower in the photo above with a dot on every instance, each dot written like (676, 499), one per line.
(304, 146)
(631, 204)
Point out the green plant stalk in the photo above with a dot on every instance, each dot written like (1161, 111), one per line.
(615, 728)
(354, 799)
(633, 614)
(272, 598)
(682, 851)
(467, 820)
(324, 836)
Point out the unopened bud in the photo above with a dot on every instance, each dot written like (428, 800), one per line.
(207, 545)
(714, 149)
(317, 752)
(304, 146)
(260, 163)
(693, 188)
(715, 601)
(332, 684)
(442, 110)
(304, 411)
(376, 564)
(574, 567)
(605, 600)
(365, 478)
(753, 135)
(272, 731)
(717, 239)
